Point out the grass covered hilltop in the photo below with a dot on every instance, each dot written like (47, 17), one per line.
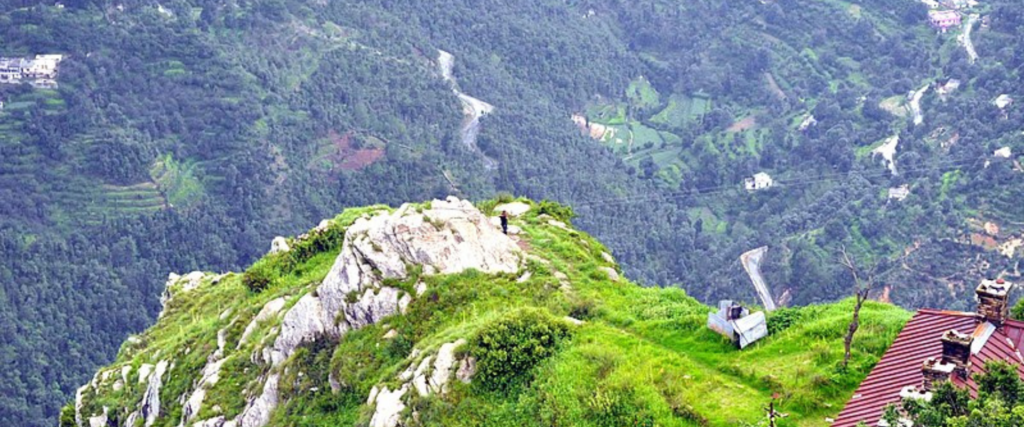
(429, 315)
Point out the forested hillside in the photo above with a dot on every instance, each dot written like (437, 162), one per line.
(186, 134)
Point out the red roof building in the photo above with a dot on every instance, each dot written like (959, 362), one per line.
(939, 346)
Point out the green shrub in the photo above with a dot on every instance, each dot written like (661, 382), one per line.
(508, 348)
(781, 319)
(505, 197)
(558, 211)
(258, 278)
(67, 416)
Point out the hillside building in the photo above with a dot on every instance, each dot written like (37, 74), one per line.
(760, 181)
(938, 346)
(899, 193)
(1003, 101)
(737, 324)
(944, 19)
(41, 70)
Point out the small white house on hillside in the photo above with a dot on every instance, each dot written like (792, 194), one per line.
(760, 181)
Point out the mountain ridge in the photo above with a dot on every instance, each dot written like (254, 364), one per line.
(428, 315)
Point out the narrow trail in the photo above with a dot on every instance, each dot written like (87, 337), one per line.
(472, 108)
(752, 264)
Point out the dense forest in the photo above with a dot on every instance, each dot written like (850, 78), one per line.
(184, 135)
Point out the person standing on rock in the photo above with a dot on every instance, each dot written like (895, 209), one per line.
(504, 222)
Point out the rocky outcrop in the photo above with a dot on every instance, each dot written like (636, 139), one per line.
(150, 409)
(449, 237)
(431, 375)
(279, 245)
(268, 311)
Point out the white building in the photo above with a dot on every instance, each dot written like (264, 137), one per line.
(899, 193)
(1003, 101)
(44, 66)
(760, 181)
(1004, 152)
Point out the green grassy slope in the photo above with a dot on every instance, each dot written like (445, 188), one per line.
(642, 355)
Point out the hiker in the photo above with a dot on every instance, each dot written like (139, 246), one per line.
(504, 222)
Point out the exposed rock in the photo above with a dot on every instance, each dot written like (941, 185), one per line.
(268, 311)
(144, 372)
(373, 395)
(213, 422)
(443, 365)
(279, 245)
(389, 407)
(556, 223)
(450, 237)
(574, 320)
(391, 334)
(125, 371)
(151, 400)
(612, 274)
(99, 420)
(211, 374)
(421, 288)
(258, 412)
(467, 368)
(178, 284)
(526, 276)
(513, 208)
(608, 257)
(419, 380)
(403, 303)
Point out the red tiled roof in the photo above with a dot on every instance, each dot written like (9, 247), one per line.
(921, 339)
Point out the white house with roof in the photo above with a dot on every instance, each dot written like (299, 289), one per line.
(900, 193)
(759, 181)
(1003, 101)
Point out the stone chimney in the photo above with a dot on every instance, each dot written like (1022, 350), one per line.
(956, 351)
(994, 300)
(935, 372)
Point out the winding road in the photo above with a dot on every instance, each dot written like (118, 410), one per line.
(472, 108)
(915, 104)
(752, 264)
(966, 37)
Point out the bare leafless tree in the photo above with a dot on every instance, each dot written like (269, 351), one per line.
(861, 290)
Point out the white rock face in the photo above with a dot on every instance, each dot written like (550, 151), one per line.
(278, 245)
(608, 257)
(443, 366)
(99, 420)
(389, 407)
(151, 400)
(268, 311)
(419, 380)
(450, 237)
(258, 412)
(144, 372)
(513, 208)
(211, 374)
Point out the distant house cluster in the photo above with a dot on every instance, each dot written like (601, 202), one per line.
(946, 14)
(40, 71)
(944, 19)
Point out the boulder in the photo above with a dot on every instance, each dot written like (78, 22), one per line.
(612, 274)
(389, 407)
(443, 366)
(279, 245)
